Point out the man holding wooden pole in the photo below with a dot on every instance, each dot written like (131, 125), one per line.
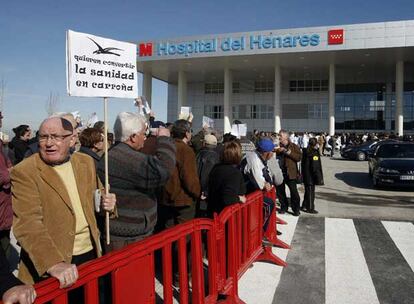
(54, 208)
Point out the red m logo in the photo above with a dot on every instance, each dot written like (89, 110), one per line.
(145, 49)
(336, 36)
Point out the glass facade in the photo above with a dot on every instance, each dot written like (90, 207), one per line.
(370, 111)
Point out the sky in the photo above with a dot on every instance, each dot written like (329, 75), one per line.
(32, 40)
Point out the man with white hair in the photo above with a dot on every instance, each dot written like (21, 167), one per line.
(53, 206)
(135, 177)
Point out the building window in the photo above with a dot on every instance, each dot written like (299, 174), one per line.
(318, 111)
(236, 87)
(256, 111)
(235, 112)
(263, 86)
(308, 85)
(215, 112)
(266, 112)
(214, 88)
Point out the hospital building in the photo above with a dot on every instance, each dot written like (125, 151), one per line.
(340, 78)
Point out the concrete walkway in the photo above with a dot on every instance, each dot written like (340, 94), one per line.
(358, 249)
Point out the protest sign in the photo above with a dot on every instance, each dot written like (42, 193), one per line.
(92, 120)
(242, 129)
(207, 122)
(100, 67)
(239, 130)
(143, 106)
(186, 111)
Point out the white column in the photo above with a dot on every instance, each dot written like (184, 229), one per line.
(182, 91)
(147, 86)
(388, 105)
(399, 98)
(277, 102)
(331, 101)
(228, 91)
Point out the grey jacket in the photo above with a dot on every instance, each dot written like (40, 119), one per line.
(135, 178)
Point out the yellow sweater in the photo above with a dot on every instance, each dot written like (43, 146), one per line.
(83, 241)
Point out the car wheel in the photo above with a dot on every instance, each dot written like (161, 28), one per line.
(361, 156)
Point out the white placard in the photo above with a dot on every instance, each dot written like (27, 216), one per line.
(242, 129)
(208, 122)
(239, 130)
(143, 106)
(185, 111)
(100, 67)
(235, 130)
(92, 120)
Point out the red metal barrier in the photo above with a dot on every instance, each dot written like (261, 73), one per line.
(241, 226)
(133, 270)
(234, 241)
(271, 234)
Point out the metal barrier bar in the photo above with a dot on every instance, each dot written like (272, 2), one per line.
(271, 233)
(252, 212)
(167, 273)
(92, 292)
(182, 268)
(197, 268)
(61, 299)
(234, 243)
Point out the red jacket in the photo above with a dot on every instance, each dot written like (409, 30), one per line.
(6, 212)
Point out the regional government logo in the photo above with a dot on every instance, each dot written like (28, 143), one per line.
(336, 36)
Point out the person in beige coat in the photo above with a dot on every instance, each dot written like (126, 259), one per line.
(53, 204)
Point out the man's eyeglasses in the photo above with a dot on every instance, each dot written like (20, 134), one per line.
(53, 137)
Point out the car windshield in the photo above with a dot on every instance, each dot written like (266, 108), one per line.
(396, 151)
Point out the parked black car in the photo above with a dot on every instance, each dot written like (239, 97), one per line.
(363, 151)
(359, 152)
(393, 164)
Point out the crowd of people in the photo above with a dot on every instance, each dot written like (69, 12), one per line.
(160, 175)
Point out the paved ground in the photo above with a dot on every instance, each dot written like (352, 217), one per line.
(348, 193)
(358, 249)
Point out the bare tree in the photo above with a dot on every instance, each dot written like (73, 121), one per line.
(52, 103)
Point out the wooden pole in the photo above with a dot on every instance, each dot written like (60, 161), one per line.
(108, 238)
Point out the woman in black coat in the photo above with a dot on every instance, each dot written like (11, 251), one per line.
(20, 143)
(226, 184)
(312, 175)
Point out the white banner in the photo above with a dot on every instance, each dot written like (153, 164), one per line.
(100, 67)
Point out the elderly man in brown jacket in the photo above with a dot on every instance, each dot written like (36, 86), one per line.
(183, 188)
(289, 155)
(53, 204)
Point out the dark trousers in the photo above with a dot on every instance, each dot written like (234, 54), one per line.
(309, 198)
(170, 216)
(77, 295)
(5, 242)
(294, 195)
